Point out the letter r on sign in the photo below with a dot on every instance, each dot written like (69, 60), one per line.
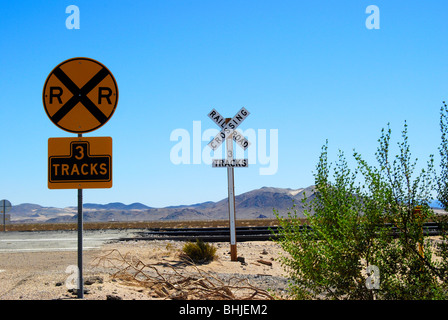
(101, 95)
(57, 95)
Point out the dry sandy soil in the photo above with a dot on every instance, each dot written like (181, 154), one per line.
(45, 275)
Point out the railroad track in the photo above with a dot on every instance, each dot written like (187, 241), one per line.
(207, 234)
(242, 233)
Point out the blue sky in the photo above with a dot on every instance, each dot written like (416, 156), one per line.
(309, 69)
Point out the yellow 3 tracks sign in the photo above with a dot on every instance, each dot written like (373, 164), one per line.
(80, 163)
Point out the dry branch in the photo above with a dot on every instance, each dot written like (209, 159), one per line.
(178, 282)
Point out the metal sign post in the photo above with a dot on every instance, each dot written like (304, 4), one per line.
(80, 230)
(231, 197)
(80, 95)
(229, 134)
(5, 206)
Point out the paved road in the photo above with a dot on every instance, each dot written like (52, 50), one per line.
(36, 241)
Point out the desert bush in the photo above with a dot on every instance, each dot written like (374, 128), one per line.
(365, 219)
(199, 251)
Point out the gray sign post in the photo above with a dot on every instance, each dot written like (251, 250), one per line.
(79, 77)
(229, 134)
(80, 229)
(5, 207)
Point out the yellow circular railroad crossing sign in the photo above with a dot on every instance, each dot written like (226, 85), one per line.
(80, 95)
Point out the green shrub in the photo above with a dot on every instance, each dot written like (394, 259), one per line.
(199, 251)
(351, 218)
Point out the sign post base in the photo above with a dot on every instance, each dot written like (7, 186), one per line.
(233, 253)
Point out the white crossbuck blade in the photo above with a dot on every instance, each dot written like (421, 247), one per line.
(228, 129)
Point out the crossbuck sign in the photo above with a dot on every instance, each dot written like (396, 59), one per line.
(229, 134)
(228, 129)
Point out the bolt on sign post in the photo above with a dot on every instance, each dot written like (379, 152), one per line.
(5, 207)
(229, 134)
(80, 95)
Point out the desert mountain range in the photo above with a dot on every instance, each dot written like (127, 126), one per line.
(254, 204)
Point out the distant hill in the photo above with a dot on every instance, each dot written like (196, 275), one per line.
(254, 204)
(30, 213)
(116, 206)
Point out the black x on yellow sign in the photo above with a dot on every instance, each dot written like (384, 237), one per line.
(80, 95)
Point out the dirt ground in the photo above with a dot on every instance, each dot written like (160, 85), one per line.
(49, 275)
